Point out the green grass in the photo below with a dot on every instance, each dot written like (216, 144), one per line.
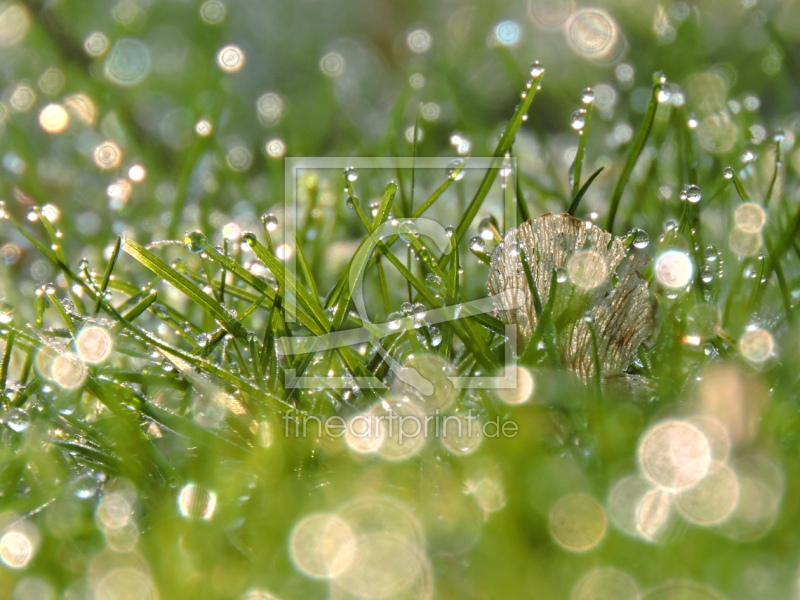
(194, 392)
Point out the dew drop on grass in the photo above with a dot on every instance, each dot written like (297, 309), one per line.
(455, 170)
(270, 222)
(578, 119)
(728, 173)
(587, 95)
(449, 231)
(536, 69)
(561, 275)
(408, 231)
(691, 193)
(195, 241)
(17, 420)
(434, 283)
(664, 94)
(476, 244)
(350, 174)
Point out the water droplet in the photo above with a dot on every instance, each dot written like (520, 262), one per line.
(17, 420)
(195, 241)
(455, 170)
(395, 320)
(476, 244)
(434, 283)
(691, 193)
(728, 173)
(270, 222)
(779, 136)
(249, 238)
(406, 307)
(487, 228)
(418, 312)
(350, 174)
(664, 93)
(711, 253)
(536, 69)
(587, 95)
(374, 208)
(640, 238)
(450, 231)
(436, 336)
(578, 119)
(408, 231)
(561, 274)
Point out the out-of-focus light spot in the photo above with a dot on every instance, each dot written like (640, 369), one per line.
(332, 64)
(674, 455)
(488, 493)
(756, 345)
(197, 502)
(53, 118)
(213, 12)
(83, 107)
(734, 399)
(284, 251)
(461, 144)
(239, 159)
(419, 40)
(276, 148)
(125, 583)
(717, 133)
(22, 98)
(16, 548)
(674, 269)
(750, 216)
(384, 566)
(507, 33)
(115, 509)
(94, 344)
(14, 24)
(52, 81)
(379, 514)
(522, 385)
(605, 96)
(119, 192)
(10, 254)
(692, 340)
(364, 433)
(203, 128)
(461, 434)
(577, 522)
(232, 231)
(231, 58)
(68, 370)
(416, 80)
(550, 14)
(258, 595)
(756, 510)
(96, 44)
(719, 440)
(33, 588)
(128, 63)
(425, 378)
(403, 428)
(623, 501)
(606, 583)
(322, 546)
(624, 73)
(107, 155)
(270, 108)
(593, 33)
(122, 539)
(137, 173)
(412, 132)
(587, 269)
(431, 111)
(653, 514)
(744, 242)
(713, 499)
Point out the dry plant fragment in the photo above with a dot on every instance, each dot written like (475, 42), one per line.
(592, 289)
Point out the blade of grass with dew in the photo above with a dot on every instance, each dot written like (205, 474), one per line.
(577, 170)
(506, 141)
(633, 155)
(190, 290)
